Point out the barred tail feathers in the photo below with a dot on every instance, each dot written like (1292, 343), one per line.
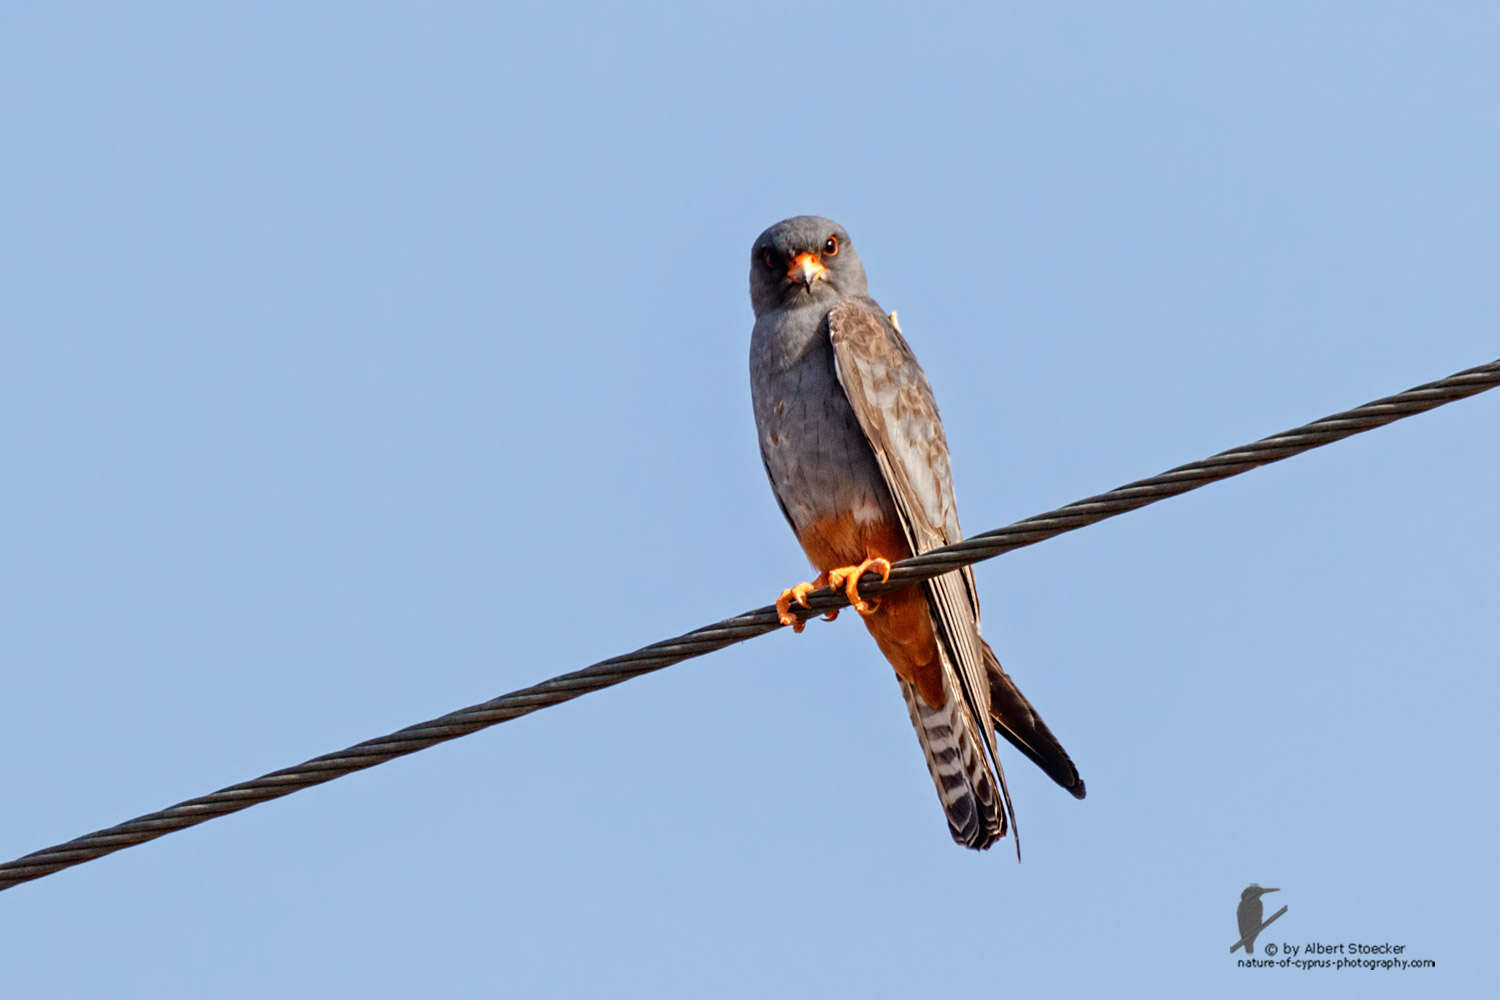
(960, 769)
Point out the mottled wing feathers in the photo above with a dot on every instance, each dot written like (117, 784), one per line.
(894, 404)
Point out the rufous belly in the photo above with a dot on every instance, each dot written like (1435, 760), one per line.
(902, 624)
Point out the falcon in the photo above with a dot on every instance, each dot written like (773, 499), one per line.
(855, 451)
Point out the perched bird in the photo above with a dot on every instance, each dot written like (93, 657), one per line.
(1249, 915)
(856, 455)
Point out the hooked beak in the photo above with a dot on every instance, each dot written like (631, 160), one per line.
(806, 268)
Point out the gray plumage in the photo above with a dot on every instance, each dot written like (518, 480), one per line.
(855, 451)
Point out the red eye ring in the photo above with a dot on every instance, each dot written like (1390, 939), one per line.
(831, 248)
(767, 258)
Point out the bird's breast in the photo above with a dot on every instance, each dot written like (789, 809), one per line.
(817, 456)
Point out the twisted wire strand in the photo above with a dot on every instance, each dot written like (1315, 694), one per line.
(698, 642)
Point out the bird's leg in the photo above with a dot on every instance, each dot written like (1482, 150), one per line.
(848, 578)
(799, 594)
(845, 576)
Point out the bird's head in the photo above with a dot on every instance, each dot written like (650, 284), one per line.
(1254, 891)
(803, 260)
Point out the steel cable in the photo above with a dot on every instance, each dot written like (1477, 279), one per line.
(616, 669)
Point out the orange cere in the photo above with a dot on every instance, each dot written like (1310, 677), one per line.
(805, 265)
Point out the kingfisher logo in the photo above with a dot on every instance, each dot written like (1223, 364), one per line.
(1250, 917)
(1249, 914)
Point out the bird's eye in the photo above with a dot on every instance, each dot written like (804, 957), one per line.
(831, 247)
(768, 258)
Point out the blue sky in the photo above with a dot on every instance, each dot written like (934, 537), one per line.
(361, 362)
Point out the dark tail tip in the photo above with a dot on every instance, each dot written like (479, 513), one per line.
(1019, 723)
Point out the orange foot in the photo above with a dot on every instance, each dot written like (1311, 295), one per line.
(799, 594)
(848, 578)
